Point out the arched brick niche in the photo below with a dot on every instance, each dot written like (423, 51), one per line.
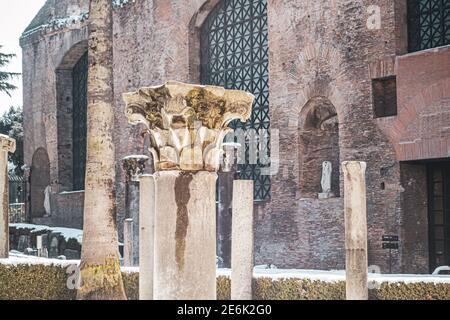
(66, 97)
(39, 180)
(318, 142)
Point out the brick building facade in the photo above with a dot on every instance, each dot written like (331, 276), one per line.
(341, 85)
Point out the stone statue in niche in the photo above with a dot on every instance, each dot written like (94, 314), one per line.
(47, 205)
(327, 170)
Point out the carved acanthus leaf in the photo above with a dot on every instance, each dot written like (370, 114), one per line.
(187, 122)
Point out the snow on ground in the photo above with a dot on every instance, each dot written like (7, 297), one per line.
(67, 233)
(339, 275)
(17, 258)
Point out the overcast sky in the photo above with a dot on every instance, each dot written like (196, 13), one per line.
(15, 15)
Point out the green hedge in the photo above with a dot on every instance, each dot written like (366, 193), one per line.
(39, 282)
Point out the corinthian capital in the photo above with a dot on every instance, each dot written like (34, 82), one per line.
(7, 144)
(187, 123)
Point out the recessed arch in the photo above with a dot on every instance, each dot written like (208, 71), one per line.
(71, 94)
(195, 25)
(39, 181)
(318, 142)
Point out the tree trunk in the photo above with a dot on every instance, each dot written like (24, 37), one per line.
(100, 264)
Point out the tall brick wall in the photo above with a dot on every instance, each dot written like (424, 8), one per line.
(318, 49)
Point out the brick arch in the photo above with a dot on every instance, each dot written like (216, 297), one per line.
(318, 136)
(203, 9)
(72, 55)
(308, 59)
(39, 180)
(409, 113)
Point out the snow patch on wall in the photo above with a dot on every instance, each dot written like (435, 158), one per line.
(66, 22)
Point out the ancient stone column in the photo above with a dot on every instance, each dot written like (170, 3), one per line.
(187, 124)
(224, 204)
(242, 241)
(128, 242)
(133, 166)
(185, 234)
(224, 214)
(146, 237)
(355, 230)
(26, 177)
(7, 145)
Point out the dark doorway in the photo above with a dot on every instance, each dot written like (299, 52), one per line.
(439, 213)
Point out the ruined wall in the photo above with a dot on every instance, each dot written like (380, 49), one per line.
(324, 49)
(318, 49)
(58, 27)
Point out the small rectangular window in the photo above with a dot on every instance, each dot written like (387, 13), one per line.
(384, 93)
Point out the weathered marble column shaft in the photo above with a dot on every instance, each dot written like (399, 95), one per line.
(146, 237)
(128, 242)
(224, 214)
(355, 230)
(133, 166)
(7, 145)
(185, 234)
(242, 241)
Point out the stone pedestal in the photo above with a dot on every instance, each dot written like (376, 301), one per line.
(326, 195)
(355, 230)
(185, 234)
(242, 241)
(146, 237)
(6, 145)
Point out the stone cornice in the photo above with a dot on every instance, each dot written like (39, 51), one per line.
(61, 23)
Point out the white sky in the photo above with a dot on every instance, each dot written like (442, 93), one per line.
(15, 15)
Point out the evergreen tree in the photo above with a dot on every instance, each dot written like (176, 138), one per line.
(6, 77)
(11, 124)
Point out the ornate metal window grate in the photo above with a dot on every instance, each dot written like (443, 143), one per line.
(80, 73)
(428, 24)
(234, 55)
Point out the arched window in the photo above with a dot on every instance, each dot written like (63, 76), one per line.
(79, 76)
(71, 96)
(234, 55)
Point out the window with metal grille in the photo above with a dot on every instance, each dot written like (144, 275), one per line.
(79, 74)
(234, 55)
(428, 24)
